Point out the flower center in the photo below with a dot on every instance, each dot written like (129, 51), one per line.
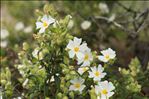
(45, 24)
(97, 73)
(77, 85)
(84, 69)
(107, 57)
(104, 91)
(76, 49)
(86, 57)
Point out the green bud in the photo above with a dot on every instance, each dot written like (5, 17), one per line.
(71, 94)
(68, 77)
(47, 98)
(68, 84)
(21, 54)
(65, 97)
(3, 82)
(59, 95)
(63, 65)
(25, 46)
(62, 86)
(92, 94)
(8, 74)
(65, 90)
(9, 92)
(66, 60)
(66, 71)
(8, 83)
(73, 72)
(46, 8)
(71, 67)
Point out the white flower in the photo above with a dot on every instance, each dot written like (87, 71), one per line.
(45, 22)
(22, 72)
(76, 48)
(1, 97)
(28, 29)
(25, 82)
(107, 55)
(70, 17)
(16, 98)
(52, 79)
(97, 73)
(112, 18)
(20, 66)
(103, 8)
(77, 84)
(4, 43)
(37, 54)
(105, 89)
(87, 58)
(19, 26)
(81, 70)
(70, 24)
(19, 98)
(4, 34)
(85, 25)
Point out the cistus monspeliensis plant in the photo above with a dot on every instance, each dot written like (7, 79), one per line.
(62, 66)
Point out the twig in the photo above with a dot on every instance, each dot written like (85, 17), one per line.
(114, 23)
(127, 9)
(142, 24)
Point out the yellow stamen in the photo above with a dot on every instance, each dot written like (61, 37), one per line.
(107, 57)
(76, 49)
(86, 57)
(77, 85)
(97, 73)
(45, 24)
(104, 91)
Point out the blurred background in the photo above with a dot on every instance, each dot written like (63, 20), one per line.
(120, 25)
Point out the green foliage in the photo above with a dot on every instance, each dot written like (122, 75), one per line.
(7, 87)
(128, 84)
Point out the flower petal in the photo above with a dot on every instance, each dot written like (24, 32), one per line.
(80, 55)
(77, 41)
(102, 58)
(86, 63)
(39, 25)
(50, 20)
(81, 88)
(110, 94)
(70, 45)
(42, 30)
(44, 18)
(71, 54)
(83, 47)
(71, 87)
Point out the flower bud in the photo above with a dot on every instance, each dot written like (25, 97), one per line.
(71, 94)
(72, 72)
(62, 86)
(65, 89)
(3, 81)
(65, 97)
(21, 54)
(66, 71)
(59, 95)
(25, 46)
(68, 77)
(71, 67)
